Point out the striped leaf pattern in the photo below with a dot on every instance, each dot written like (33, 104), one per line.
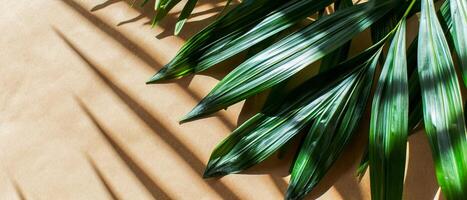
(287, 57)
(331, 131)
(442, 105)
(389, 123)
(281, 43)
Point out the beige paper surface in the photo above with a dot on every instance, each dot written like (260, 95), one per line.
(78, 122)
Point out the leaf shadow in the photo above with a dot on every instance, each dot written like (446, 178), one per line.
(19, 191)
(152, 187)
(101, 178)
(139, 52)
(153, 123)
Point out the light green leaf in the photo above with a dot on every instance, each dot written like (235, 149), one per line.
(458, 29)
(389, 123)
(442, 105)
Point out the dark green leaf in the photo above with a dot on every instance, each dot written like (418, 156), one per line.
(332, 59)
(186, 12)
(331, 131)
(287, 57)
(243, 27)
(264, 133)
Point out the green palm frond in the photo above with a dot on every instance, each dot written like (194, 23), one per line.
(274, 126)
(389, 123)
(244, 26)
(454, 14)
(442, 105)
(418, 83)
(331, 130)
(415, 104)
(287, 57)
(186, 12)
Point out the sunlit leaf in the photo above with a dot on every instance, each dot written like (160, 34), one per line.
(264, 133)
(454, 14)
(389, 123)
(442, 105)
(288, 56)
(165, 7)
(186, 12)
(244, 26)
(331, 131)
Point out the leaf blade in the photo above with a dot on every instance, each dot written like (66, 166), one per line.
(241, 28)
(442, 105)
(286, 57)
(389, 123)
(186, 12)
(459, 32)
(265, 132)
(330, 132)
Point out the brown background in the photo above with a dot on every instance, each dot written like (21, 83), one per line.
(78, 122)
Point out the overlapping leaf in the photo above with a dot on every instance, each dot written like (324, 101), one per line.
(389, 123)
(288, 56)
(265, 132)
(442, 105)
(415, 103)
(454, 14)
(163, 8)
(333, 102)
(186, 12)
(237, 31)
(331, 131)
(387, 23)
(332, 59)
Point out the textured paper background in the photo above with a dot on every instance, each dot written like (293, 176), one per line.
(78, 122)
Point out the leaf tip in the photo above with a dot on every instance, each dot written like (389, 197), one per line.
(156, 78)
(213, 170)
(193, 114)
(209, 173)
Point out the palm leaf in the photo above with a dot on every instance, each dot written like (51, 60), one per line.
(340, 54)
(186, 12)
(332, 102)
(387, 23)
(240, 29)
(288, 56)
(331, 131)
(442, 105)
(454, 15)
(389, 123)
(264, 133)
(163, 9)
(415, 104)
